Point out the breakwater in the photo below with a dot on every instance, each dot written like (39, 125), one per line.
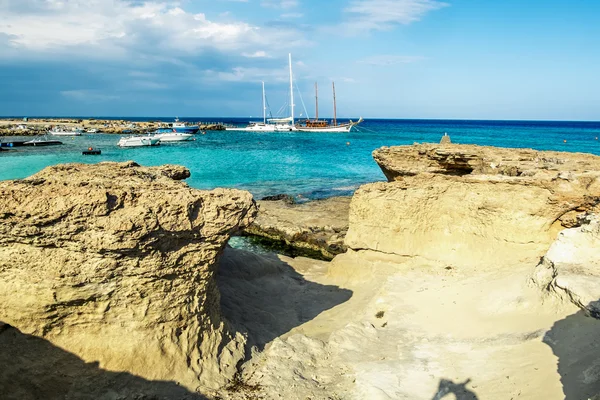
(39, 126)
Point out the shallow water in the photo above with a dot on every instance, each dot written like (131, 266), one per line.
(312, 165)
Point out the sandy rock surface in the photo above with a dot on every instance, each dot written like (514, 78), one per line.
(442, 304)
(319, 225)
(114, 264)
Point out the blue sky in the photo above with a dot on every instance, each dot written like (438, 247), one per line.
(471, 59)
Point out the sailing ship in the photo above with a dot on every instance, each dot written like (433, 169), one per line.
(288, 124)
(271, 125)
(317, 125)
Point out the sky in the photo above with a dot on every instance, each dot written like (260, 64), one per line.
(442, 59)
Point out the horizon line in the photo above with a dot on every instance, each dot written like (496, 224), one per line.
(124, 117)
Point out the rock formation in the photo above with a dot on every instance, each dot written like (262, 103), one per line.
(318, 226)
(460, 203)
(571, 268)
(439, 267)
(115, 264)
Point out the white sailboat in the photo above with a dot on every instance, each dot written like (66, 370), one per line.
(272, 125)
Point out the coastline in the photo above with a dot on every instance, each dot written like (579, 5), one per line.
(457, 271)
(38, 126)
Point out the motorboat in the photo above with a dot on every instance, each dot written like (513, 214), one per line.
(171, 135)
(181, 127)
(138, 141)
(38, 142)
(61, 132)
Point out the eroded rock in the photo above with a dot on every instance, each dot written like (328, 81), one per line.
(318, 226)
(571, 267)
(115, 263)
(467, 204)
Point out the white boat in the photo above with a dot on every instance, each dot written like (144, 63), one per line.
(138, 141)
(173, 136)
(92, 131)
(181, 127)
(60, 132)
(268, 125)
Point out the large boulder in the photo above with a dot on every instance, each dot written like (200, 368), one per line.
(115, 263)
(465, 204)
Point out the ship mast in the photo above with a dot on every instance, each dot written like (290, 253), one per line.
(334, 105)
(291, 90)
(264, 104)
(317, 100)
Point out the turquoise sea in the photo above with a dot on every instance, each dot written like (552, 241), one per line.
(309, 165)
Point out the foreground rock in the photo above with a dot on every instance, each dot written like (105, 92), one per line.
(115, 264)
(459, 203)
(571, 268)
(441, 304)
(317, 226)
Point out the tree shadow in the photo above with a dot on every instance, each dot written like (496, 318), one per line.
(459, 390)
(33, 368)
(575, 340)
(265, 297)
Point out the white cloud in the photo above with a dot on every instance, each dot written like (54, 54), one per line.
(366, 15)
(124, 29)
(256, 54)
(388, 59)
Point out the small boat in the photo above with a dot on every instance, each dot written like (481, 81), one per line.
(138, 141)
(42, 142)
(92, 130)
(60, 132)
(181, 127)
(172, 136)
(91, 152)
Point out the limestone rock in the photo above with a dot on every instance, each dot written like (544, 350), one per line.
(437, 268)
(453, 159)
(458, 203)
(571, 267)
(318, 226)
(115, 263)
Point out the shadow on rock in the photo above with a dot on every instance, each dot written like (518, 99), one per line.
(33, 368)
(459, 390)
(575, 340)
(265, 297)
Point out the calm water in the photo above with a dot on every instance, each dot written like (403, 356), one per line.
(313, 165)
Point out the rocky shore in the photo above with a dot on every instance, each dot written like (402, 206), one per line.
(473, 273)
(316, 226)
(39, 126)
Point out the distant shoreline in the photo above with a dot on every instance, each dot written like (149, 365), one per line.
(256, 118)
(40, 126)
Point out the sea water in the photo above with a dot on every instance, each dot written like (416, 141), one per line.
(307, 165)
